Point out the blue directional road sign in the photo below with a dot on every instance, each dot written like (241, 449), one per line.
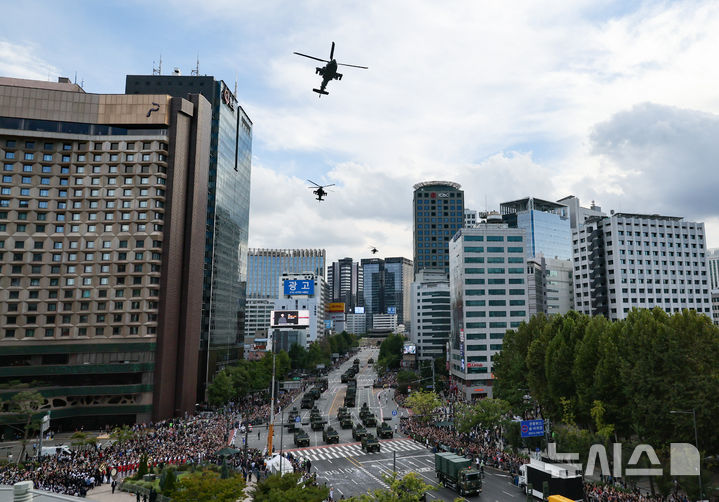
(532, 428)
(298, 419)
(394, 413)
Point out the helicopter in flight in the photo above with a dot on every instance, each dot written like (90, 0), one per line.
(319, 190)
(328, 71)
(373, 250)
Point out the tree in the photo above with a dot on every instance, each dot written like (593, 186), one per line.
(390, 352)
(405, 379)
(486, 412)
(278, 488)
(207, 485)
(221, 390)
(423, 404)
(409, 488)
(25, 405)
(141, 468)
(168, 480)
(82, 440)
(122, 435)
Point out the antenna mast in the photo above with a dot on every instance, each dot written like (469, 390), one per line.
(158, 70)
(196, 71)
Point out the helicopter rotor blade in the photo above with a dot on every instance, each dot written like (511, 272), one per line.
(311, 57)
(332, 51)
(353, 66)
(325, 186)
(316, 184)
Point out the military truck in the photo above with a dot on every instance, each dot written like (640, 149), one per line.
(316, 423)
(370, 361)
(384, 431)
(346, 422)
(315, 392)
(323, 384)
(329, 435)
(369, 420)
(291, 419)
(349, 401)
(307, 402)
(341, 412)
(456, 472)
(302, 439)
(358, 432)
(364, 410)
(370, 443)
(345, 376)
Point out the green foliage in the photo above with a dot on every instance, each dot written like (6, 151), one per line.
(220, 390)
(141, 468)
(24, 406)
(321, 351)
(406, 379)
(409, 488)
(390, 352)
(122, 434)
(487, 412)
(168, 480)
(207, 485)
(278, 488)
(423, 404)
(639, 369)
(82, 440)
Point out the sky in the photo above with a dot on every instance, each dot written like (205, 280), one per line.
(614, 101)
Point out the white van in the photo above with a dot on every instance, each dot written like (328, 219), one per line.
(51, 451)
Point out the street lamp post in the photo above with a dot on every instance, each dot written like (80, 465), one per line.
(693, 413)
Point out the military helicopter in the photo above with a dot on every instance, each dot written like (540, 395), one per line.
(373, 250)
(328, 71)
(320, 189)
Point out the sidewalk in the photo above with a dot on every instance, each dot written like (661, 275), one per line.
(104, 494)
(247, 492)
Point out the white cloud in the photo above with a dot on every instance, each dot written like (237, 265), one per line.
(21, 61)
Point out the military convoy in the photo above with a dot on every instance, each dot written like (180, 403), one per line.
(370, 443)
(307, 402)
(329, 435)
(302, 439)
(384, 431)
(456, 472)
(291, 417)
(369, 420)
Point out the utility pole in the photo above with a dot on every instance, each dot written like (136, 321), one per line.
(282, 430)
(271, 428)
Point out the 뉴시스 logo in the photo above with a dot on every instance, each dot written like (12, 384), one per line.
(684, 460)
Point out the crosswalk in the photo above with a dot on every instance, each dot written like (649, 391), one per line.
(354, 450)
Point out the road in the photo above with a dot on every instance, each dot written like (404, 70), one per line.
(351, 471)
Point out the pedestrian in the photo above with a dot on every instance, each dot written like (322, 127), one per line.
(332, 494)
(113, 485)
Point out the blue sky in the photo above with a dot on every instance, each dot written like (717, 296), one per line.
(610, 101)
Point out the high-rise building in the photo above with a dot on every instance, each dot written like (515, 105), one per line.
(264, 269)
(626, 261)
(430, 313)
(356, 324)
(387, 287)
(102, 219)
(713, 264)
(313, 300)
(548, 251)
(228, 212)
(488, 295)
(344, 278)
(438, 209)
(578, 214)
(470, 218)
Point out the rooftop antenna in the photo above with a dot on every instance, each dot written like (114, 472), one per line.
(75, 77)
(235, 84)
(196, 71)
(158, 70)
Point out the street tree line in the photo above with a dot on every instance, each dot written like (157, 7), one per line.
(248, 377)
(620, 379)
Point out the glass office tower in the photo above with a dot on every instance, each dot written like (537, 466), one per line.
(228, 209)
(438, 213)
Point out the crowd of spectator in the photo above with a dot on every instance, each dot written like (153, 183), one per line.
(175, 441)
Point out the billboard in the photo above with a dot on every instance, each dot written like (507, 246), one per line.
(336, 307)
(289, 318)
(409, 349)
(299, 287)
(359, 310)
(392, 310)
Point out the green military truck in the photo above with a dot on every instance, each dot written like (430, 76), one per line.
(315, 392)
(346, 376)
(323, 383)
(302, 439)
(307, 402)
(346, 421)
(456, 472)
(370, 443)
(329, 435)
(358, 432)
(369, 420)
(291, 419)
(341, 412)
(317, 424)
(364, 411)
(384, 431)
(349, 401)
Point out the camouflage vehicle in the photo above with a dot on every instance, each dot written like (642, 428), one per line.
(384, 431)
(349, 401)
(345, 377)
(370, 444)
(323, 384)
(364, 411)
(315, 392)
(346, 422)
(291, 419)
(370, 361)
(302, 439)
(329, 435)
(341, 412)
(369, 420)
(358, 432)
(316, 423)
(307, 402)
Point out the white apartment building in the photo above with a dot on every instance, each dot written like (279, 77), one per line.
(383, 322)
(430, 312)
(356, 324)
(470, 218)
(626, 261)
(488, 296)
